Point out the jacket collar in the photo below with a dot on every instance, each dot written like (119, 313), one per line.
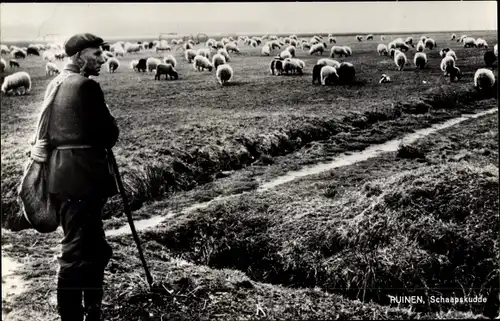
(72, 68)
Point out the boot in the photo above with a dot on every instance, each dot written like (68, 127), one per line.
(93, 294)
(69, 301)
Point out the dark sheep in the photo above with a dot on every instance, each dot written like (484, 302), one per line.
(168, 70)
(317, 73)
(346, 73)
(106, 47)
(141, 65)
(33, 51)
(151, 45)
(489, 58)
(276, 65)
(19, 54)
(13, 63)
(454, 73)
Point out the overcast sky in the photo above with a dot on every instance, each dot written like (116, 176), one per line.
(33, 20)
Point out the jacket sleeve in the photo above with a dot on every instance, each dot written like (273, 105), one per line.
(102, 126)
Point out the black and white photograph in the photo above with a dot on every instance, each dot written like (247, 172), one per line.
(249, 161)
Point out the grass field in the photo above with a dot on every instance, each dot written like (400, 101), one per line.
(425, 217)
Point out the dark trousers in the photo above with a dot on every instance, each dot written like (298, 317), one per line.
(85, 254)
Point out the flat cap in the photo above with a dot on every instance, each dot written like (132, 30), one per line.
(82, 41)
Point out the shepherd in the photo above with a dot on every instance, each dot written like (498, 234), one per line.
(79, 131)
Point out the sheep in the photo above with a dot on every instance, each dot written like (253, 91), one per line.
(453, 36)
(51, 68)
(481, 43)
(423, 39)
(18, 53)
(217, 60)
(398, 44)
(224, 74)
(348, 50)
(317, 48)
(273, 45)
(291, 50)
(452, 54)
(61, 55)
(142, 65)
(317, 73)
(382, 38)
(224, 52)
(284, 54)
(210, 43)
(166, 69)
(495, 50)
(205, 52)
(305, 46)
(31, 50)
(189, 55)
(108, 54)
(113, 64)
(443, 52)
(420, 60)
(233, 47)
(266, 50)
(489, 58)
(201, 63)
(152, 63)
(4, 50)
(328, 75)
(400, 60)
(19, 83)
(328, 62)
(454, 73)
(117, 50)
(346, 73)
(332, 40)
(133, 64)
(446, 62)
(293, 43)
(187, 46)
(49, 56)
(462, 38)
(340, 51)
(276, 66)
(420, 46)
(369, 37)
(170, 60)
(132, 47)
(484, 79)
(391, 52)
(359, 38)
(253, 43)
(13, 63)
(409, 41)
(293, 65)
(163, 47)
(382, 50)
(430, 43)
(384, 79)
(470, 42)
(3, 65)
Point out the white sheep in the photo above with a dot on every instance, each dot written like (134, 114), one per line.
(409, 41)
(469, 42)
(384, 79)
(291, 50)
(484, 79)
(328, 62)
(481, 43)
(170, 60)
(133, 64)
(201, 63)
(423, 39)
(16, 82)
(224, 52)
(4, 50)
(338, 50)
(382, 50)
(51, 68)
(49, 56)
(462, 38)
(328, 75)
(400, 59)
(292, 65)
(359, 38)
(189, 55)
(305, 46)
(293, 43)
(117, 50)
(113, 64)
(253, 43)
(210, 43)
(224, 74)
(332, 40)
(420, 60)
(232, 46)
(420, 46)
(297, 61)
(446, 63)
(217, 60)
(187, 46)
(317, 48)
(453, 36)
(443, 52)
(348, 50)
(430, 43)
(369, 37)
(132, 47)
(284, 54)
(266, 50)
(452, 54)
(152, 63)
(3, 65)
(205, 52)
(382, 38)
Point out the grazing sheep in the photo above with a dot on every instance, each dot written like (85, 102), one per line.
(384, 79)
(420, 46)
(218, 60)
(117, 50)
(337, 50)
(3, 65)
(32, 51)
(489, 58)
(142, 65)
(132, 47)
(187, 46)
(133, 64)
(189, 55)
(152, 63)
(201, 63)
(382, 38)
(447, 61)
(166, 69)
(210, 43)
(13, 63)
(317, 48)
(232, 47)
(291, 50)
(305, 46)
(273, 45)
(409, 41)
(430, 43)
(293, 43)
(400, 60)
(369, 37)
(423, 39)
(4, 50)
(163, 47)
(462, 38)
(328, 75)
(328, 62)
(253, 43)
(484, 79)
(224, 74)
(332, 40)
(481, 43)
(453, 36)
(443, 52)
(346, 73)
(18, 53)
(391, 52)
(359, 38)
(276, 66)
(49, 56)
(317, 73)
(452, 54)
(454, 73)
(470, 43)
(420, 60)
(113, 64)
(293, 66)
(19, 83)
(266, 50)
(224, 52)
(382, 50)
(348, 50)
(284, 54)
(51, 69)
(170, 60)
(205, 52)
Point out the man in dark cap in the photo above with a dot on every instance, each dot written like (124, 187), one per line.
(80, 130)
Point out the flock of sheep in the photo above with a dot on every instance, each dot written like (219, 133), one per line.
(216, 55)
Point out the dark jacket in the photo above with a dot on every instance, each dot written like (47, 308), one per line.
(79, 116)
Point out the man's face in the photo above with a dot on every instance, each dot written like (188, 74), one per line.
(93, 59)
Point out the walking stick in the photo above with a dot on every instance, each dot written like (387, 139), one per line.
(128, 212)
